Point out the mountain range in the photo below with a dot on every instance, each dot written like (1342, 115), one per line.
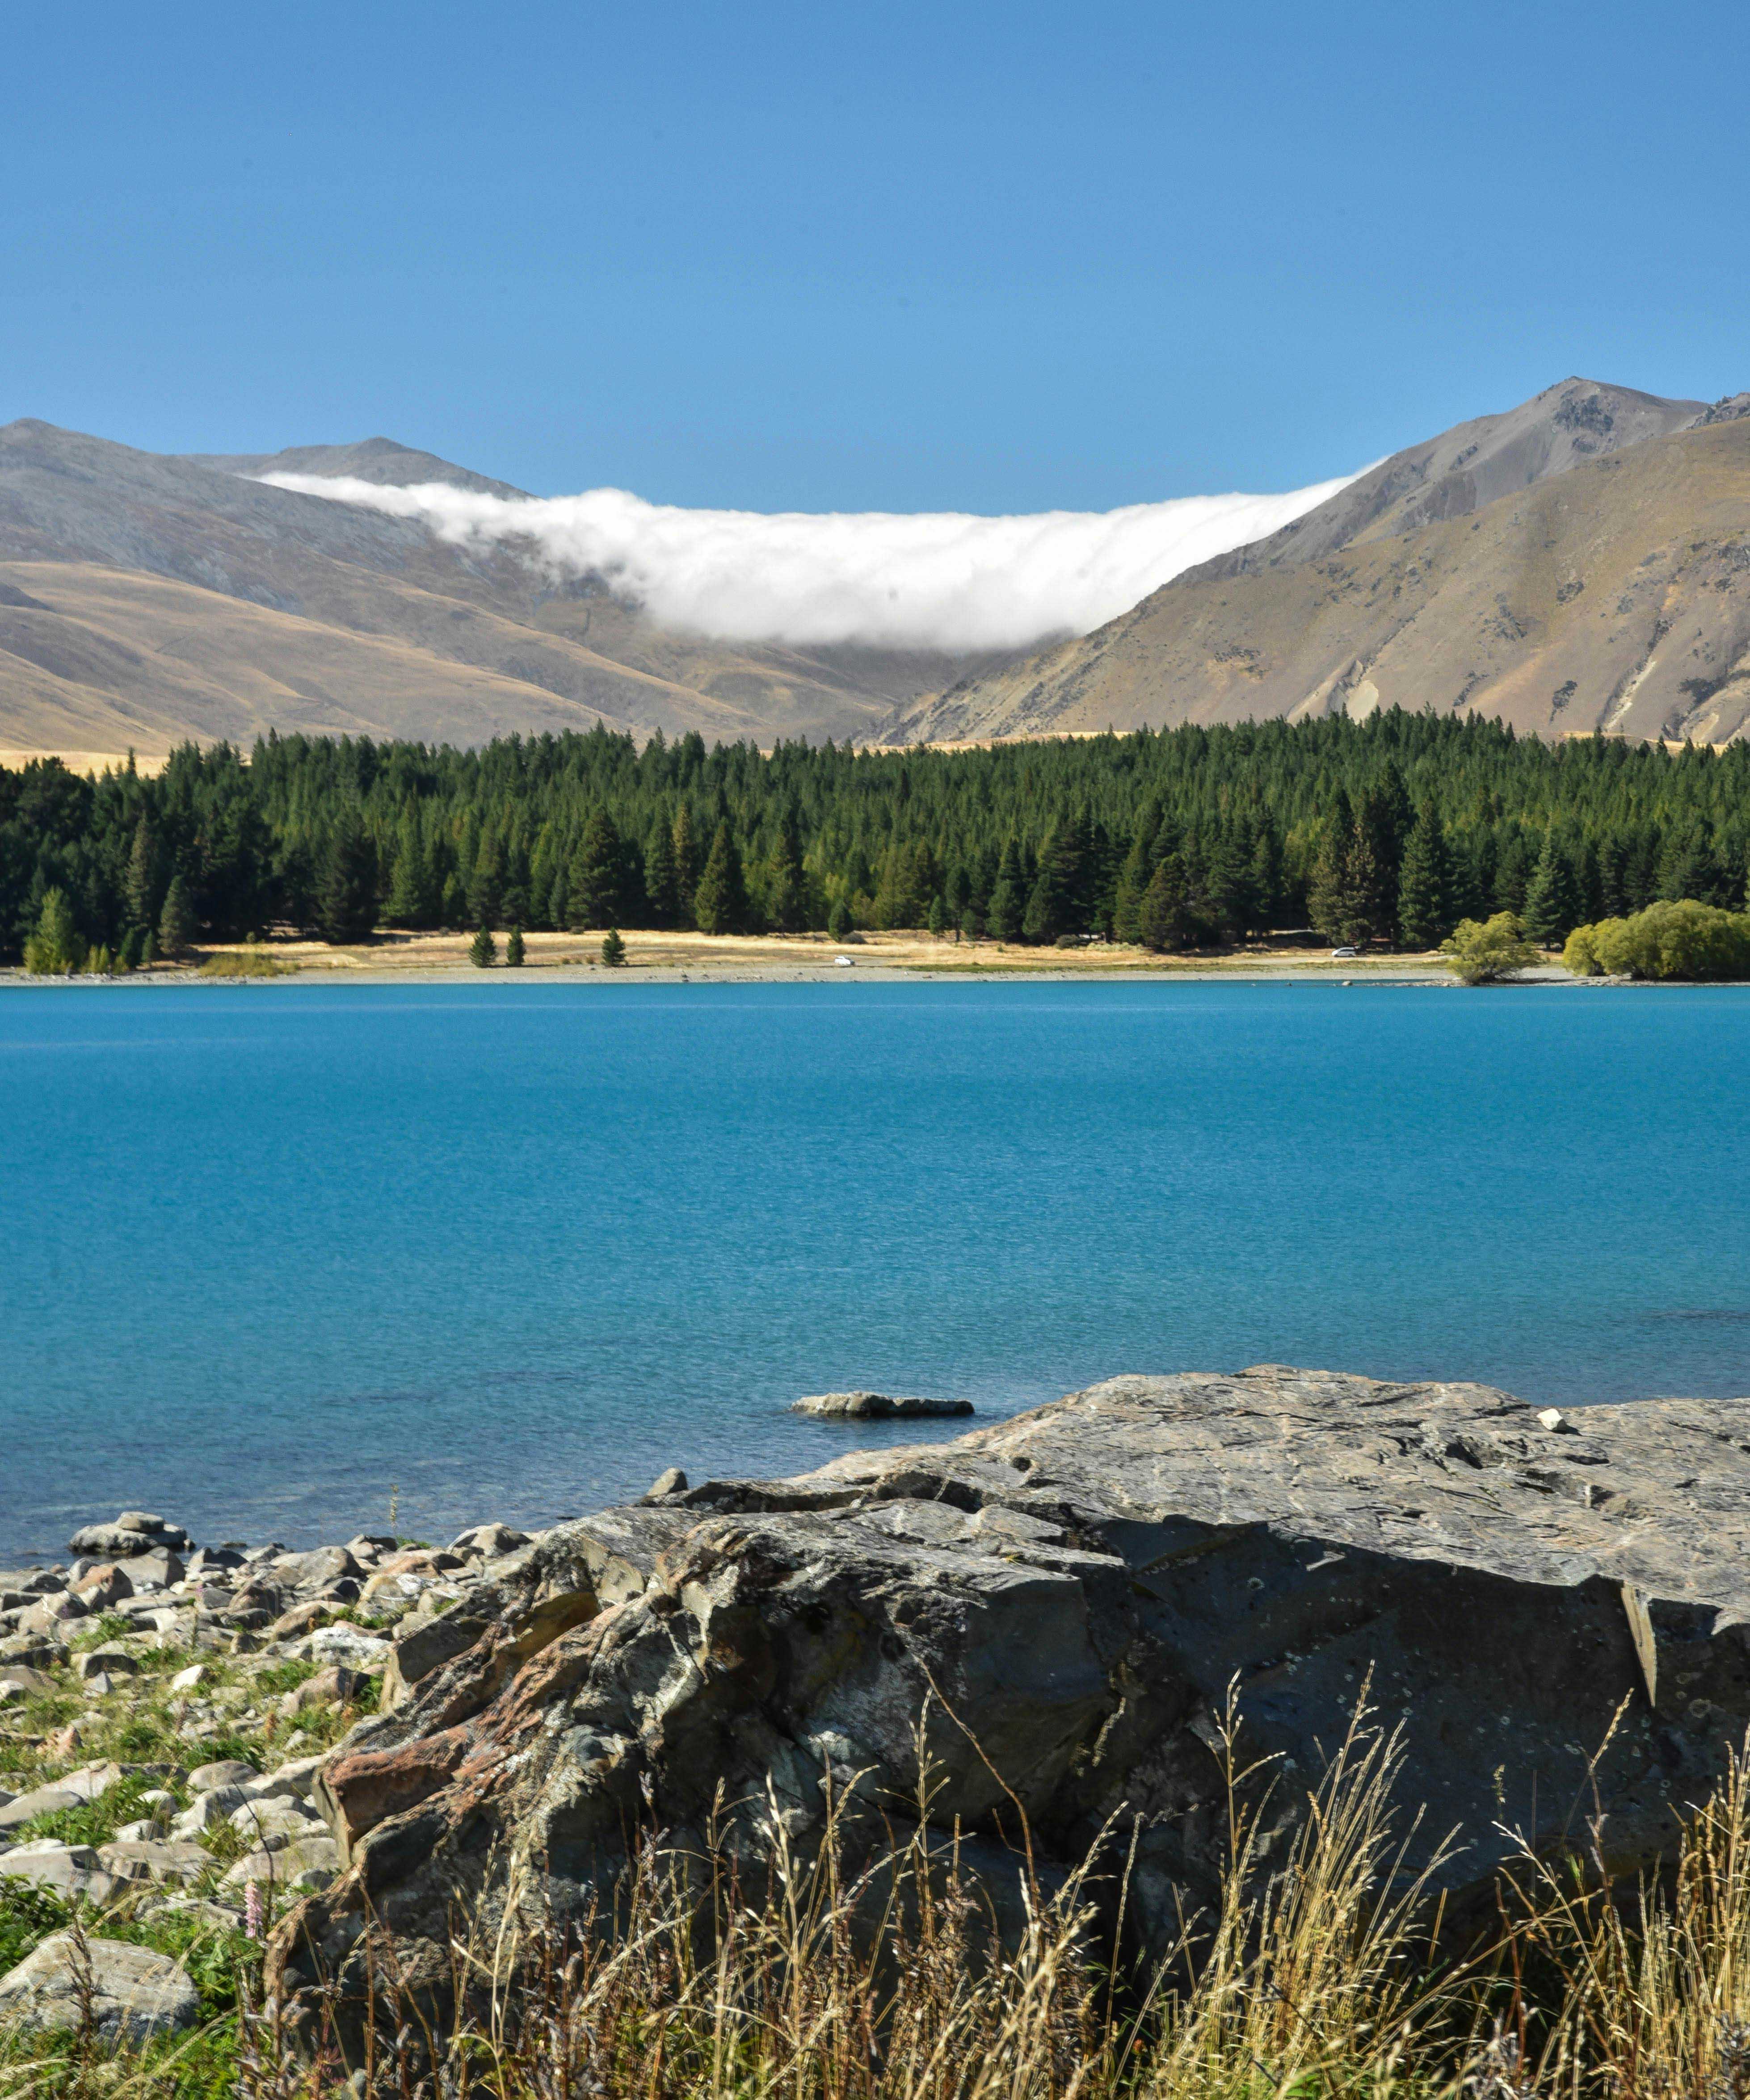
(1580, 562)
(147, 598)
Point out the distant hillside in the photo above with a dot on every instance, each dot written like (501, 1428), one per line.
(146, 598)
(1581, 563)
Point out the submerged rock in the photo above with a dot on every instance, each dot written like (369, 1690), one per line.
(1057, 1604)
(874, 1406)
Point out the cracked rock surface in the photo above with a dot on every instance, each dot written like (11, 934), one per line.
(1075, 1588)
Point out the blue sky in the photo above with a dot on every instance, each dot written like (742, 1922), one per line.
(904, 256)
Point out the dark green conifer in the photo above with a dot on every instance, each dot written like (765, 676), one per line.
(1424, 915)
(346, 896)
(176, 921)
(719, 903)
(838, 919)
(1163, 920)
(513, 949)
(483, 950)
(785, 904)
(613, 950)
(662, 886)
(686, 851)
(1552, 897)
(596, 882)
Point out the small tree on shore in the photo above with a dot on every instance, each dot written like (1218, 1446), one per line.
(483, 950)
(1485, 953)
(513, 949)
(613, 950)
(57, 948)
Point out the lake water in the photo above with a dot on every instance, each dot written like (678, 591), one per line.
(272, 1255)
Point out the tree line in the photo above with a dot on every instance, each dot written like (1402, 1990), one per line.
(1389, 830)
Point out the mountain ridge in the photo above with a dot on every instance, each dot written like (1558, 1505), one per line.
(1379, 596)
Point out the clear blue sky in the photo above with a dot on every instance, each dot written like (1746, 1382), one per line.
(900, 256)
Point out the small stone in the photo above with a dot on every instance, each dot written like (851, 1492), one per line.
(103, 1586)
(303, 1863)
(346, 1644)
(1554, 1419)
(296, 1778)
(673, 1482)
(490, 1542)
(225, 1772)
(100, 1686)
(38, 1801)
(208, 1810)
(146, 1857)
(335, 1686)
(104, 1662)
(875, 1406)
(186, 1680)
(136, 1994)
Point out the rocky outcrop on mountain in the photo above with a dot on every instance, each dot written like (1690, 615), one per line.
(1580, 563)
(1051, 1611)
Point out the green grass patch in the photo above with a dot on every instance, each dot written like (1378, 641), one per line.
(279, 1678)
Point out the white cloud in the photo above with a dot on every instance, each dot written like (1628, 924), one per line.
(932, 580)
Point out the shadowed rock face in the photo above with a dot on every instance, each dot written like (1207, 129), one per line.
(1075, 1588)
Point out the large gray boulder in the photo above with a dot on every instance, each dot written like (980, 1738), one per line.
(133, 1993)
(1061, 1601)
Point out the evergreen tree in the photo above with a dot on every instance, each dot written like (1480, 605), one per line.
(1512, 873)
(687, 863)
(1002, 915)
(971, 925)
(483, 950)
(346, 899)
(785, 907)
(613, 950)
(140, 894)
(662, 881)
(1551, 899)
(720, 900)
(1328, 889)
(57, 948)
(938, 922)
(1424, 915)
(513, 949)
(176, 922)
(1162, 920)
(412, 901)
(838, 919)
(596, 882)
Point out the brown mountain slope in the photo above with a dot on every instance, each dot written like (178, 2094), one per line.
(1613, 592)
(151, 572)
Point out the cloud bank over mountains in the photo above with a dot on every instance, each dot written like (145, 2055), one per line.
(930, 581)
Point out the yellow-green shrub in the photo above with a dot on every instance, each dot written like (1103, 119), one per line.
(1667, 940)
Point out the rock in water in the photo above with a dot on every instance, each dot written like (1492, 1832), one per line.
(874, 1406)
(1077, 1587)
(134, 1993)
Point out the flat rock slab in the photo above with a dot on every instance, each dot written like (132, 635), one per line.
(874, 1406)
(152, 1859)
(1057, 1604)
(136, 1994)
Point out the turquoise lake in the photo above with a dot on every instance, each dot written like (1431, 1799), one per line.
(271, 1254)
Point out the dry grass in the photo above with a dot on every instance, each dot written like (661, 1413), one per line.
(845, 1973)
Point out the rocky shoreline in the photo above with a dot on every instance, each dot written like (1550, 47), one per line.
(165, 1709)
(1046, 1618)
